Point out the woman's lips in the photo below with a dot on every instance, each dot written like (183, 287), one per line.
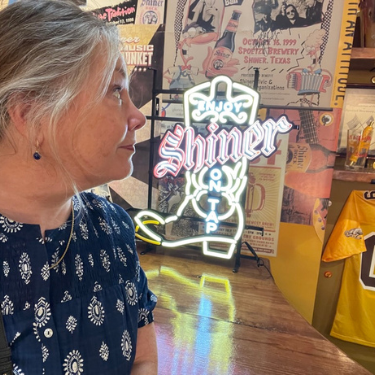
(130, 147)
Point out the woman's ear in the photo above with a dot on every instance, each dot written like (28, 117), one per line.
(18, 111)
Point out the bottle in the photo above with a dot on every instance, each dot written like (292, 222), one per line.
(359, 155)
(309, 158)
(224, 47)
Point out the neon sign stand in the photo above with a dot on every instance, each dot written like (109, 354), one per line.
(215, 165)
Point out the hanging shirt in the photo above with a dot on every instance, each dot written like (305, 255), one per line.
(353, 239)
(82, 316)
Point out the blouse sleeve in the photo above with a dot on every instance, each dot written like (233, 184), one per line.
(146, 299)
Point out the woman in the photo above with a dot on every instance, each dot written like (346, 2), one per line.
(73, 297)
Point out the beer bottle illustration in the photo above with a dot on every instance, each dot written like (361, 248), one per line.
(224, 47)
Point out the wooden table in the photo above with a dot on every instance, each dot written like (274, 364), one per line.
(210, 320)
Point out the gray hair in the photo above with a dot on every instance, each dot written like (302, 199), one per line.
(47, 49)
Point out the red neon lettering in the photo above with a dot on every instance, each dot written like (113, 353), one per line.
(215, 148)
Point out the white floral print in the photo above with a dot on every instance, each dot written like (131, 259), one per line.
(79, 267)
(16, 336)
(73, 363)
(71, 324)
(25, 267)
(45, 272)
(126, 345)
(42, 312)
(17, 370)
(105, 260)
(129, 249)
(131, 293)
(143, 316)
(6, 268)
(67, 297)
(105, 226)
(45, 353)
(97, 287)
(96, 312)
(120, 306)
(115, 227)
(54, 259)
(121, 256)
(84, 230)
(7, 307)
(10, 226)
(104, 351)
(91, 260)
(3, 238)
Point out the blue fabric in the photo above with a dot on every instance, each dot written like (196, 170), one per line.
(92, 303)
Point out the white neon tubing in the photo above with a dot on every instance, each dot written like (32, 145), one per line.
(217, 253)
(193, 96)
(196, 239)
(171, 218)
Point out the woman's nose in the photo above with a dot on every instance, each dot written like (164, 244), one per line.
(137, 119)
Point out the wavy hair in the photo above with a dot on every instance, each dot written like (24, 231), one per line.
(47, 50)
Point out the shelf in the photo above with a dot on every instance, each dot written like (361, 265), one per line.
(363, 54)
(366, 175)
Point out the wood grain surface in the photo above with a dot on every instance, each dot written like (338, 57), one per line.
(210, 320)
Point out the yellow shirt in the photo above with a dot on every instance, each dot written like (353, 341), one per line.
(353, 239)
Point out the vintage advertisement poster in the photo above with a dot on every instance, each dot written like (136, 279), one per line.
(309, 167)
(150, 12)
(264, 200)
(293, 44)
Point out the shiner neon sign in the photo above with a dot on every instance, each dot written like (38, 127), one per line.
(215, 165)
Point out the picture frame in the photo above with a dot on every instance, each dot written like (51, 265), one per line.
(358, 111)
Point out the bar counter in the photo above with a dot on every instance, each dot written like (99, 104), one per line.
(210, 320)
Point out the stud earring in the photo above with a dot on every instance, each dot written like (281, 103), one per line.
(36, 154)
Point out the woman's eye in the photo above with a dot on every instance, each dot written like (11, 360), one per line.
(117, 94)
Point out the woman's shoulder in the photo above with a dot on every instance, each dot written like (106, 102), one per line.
(95, 205)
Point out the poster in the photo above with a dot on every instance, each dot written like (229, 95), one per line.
(290, 44)
(309, 167)
(264, 200)
(117, 12)
(150, 12)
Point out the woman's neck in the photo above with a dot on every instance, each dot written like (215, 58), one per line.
(30, 194)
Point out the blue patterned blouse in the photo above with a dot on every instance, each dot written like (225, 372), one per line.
(82, 316)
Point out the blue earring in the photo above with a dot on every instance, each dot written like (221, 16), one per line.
(36, 154)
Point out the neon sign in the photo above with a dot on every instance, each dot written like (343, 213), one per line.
(215, 164)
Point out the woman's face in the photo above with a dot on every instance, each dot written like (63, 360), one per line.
(98, 147)
(290, 12)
